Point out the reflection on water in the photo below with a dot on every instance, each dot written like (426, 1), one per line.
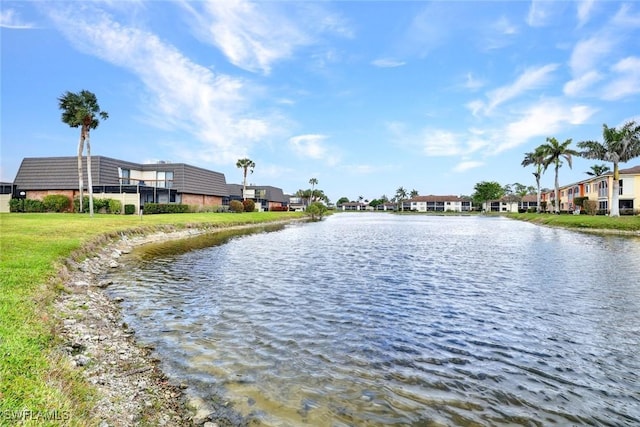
(376, 319)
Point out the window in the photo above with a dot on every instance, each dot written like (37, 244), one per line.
(620, 192)
(125, 174)
(169, 177)
(587, 188)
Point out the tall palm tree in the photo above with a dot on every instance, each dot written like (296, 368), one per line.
(414, 193)
(246, 165)
(598, 170)
(554, 151)
(313, 182)
(401, 194)
(536, 158)
(618, 146)
(82, 110)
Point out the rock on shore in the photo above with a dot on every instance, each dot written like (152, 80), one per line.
(131, 387)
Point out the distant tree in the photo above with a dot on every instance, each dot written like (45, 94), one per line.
(598, 170)
(316, 210)
(342, 200)
(82, 110)
(376, 202)
(553, 152)
(313, 182)
(414, 193)
(401, 195)
(618, 146)
(487, 190)
(536, 158)
(384, 198)
(246, 165)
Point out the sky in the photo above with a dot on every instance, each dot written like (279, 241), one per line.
(364, 96)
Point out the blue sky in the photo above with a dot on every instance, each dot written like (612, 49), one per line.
(364, 96)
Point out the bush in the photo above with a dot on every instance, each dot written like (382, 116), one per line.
(129, 209)
(163, 208)
(56, 203)
(236, 206)
(85, 204)
(115, 206)
(26, 205)
(316, 210)
(590, 206)
(249, 205)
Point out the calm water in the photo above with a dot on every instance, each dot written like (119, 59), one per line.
(378, 319)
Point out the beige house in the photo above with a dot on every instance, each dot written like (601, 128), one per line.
(433, 203)
(599, 189)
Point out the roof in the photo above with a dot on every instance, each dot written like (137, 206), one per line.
(432, 198)
(61, 173)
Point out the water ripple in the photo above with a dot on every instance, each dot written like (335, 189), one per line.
(388, 320)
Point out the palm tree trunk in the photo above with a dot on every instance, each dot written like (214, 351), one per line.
(614, 210)
(80, 177)
(89, 178)
(244, 184)
(538, 208)
(557, 192)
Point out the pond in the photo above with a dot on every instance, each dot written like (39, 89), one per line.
(380, 319)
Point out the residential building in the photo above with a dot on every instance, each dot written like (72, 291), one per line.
(433, 203)
(6, 190)
(265, 197)
(131, 183)
(600, 189)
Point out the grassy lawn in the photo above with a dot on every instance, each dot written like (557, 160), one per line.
(32, 248)
(597, 222)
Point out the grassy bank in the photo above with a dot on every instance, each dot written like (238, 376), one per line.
(583, 222)
(36, 383)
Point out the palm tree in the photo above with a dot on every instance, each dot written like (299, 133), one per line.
(618, 146)
(536, 158)
(246, 165)
(598, 170)
(414, 193)
(553, 152)
(313, 182)
(80, 110)
(401, 194)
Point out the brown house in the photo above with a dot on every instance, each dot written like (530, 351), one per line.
(132, 183)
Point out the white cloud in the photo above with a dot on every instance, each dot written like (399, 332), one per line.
(532, 78)
(590, 52)
(542, 119)
(626, 82)
(10, 19)
(387, 63)
(438, 142)
(467, 165)
(584, 11)
(182, 95)
(255, 35)
(472, 82)
(581, 85)
(314, 147)
(539, 12)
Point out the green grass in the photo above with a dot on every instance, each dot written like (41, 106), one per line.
(33, 247)
(588, 222)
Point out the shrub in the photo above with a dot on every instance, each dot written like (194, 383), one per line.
(85, 204)
(316, 210)
(26, 205)
(162, 208)
(115, 206)
(129, 209)
(590, 206)
(249, 205)
(236, 206)
(579, 201)
(56, 203)
(100, 204)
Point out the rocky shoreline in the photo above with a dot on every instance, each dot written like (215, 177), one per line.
(131, 388)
